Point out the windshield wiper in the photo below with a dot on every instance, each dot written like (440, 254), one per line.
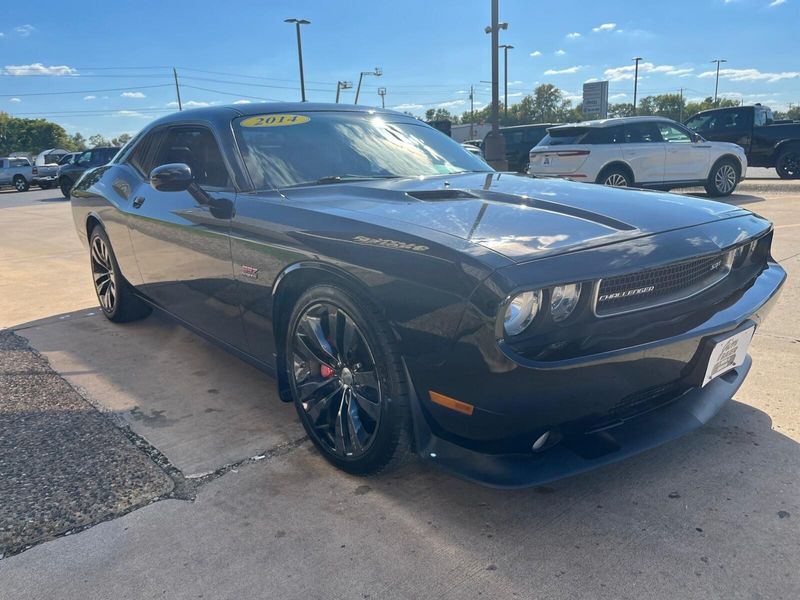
(343, 178)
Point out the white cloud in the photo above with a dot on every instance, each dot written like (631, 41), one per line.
(515, 95)
(24, 30)
(452, 103)
(750, 75)
(627, 72)
(89, 97)
(776, 3)
(131, 113)
(408, 106)
(132, 95)
(560, 52)
(567, 71)
(536, 53)
(39, 69)
(605, 27)
(14, 100)
(617, 96)
(189, 104)
(573, 36)
(242, 102)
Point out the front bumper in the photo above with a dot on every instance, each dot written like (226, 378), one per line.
(591, 402)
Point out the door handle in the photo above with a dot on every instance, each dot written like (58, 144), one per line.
(138, 201)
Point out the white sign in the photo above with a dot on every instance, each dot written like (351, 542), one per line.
(595, 99)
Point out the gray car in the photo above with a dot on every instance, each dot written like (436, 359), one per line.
(17, 172)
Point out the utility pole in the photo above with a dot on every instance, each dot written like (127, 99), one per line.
(495, 144)
(377, 73)
(472, 112)
(297, 23)
(177, 89)
(506, 48)
(716, 85)
(342, 85)
(382, 94)
(636, 81)
(681, 119)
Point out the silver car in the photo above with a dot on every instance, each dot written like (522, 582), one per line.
(17, 172)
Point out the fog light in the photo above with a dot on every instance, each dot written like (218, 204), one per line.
(563, 300)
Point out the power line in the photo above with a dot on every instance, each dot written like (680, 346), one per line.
(124, 89)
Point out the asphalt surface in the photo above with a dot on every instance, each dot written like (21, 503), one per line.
(217, 494)
(63, 466)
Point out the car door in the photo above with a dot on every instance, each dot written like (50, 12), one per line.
(685, 160)
(181, 239)
(644, 151)
(731, 125)
(5, 171)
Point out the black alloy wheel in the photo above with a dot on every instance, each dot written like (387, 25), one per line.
(788, 163)
(346, 381)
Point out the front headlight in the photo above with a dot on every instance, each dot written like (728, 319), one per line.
(563, 300)
(521, 311)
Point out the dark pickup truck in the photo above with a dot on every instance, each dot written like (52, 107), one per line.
(767, 143)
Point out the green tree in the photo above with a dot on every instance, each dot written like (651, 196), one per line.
(30, 135)
(98, 140)
(76, 142)
(440, 114)
(121, 139)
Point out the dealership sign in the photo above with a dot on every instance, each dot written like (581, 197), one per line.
(595, 99)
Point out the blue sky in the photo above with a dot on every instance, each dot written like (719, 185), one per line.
(117, 56)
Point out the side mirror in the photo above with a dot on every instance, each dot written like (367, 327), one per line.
(697, 138)
(175, 177)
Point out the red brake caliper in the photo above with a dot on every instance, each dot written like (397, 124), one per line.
(325, 371)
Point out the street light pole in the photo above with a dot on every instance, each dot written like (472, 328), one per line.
(377, 73)
(716, 85)
(382, 94)
(636, 82)
(495, 146)
(506, 48)
(342, 85)
(472, 112)
(297, 23)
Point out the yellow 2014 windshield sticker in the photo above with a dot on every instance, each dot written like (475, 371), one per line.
(275, 120)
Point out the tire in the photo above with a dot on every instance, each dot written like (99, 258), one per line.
(723, 178)
(615, 177)
(66, 186)
(347, 381)
(20, 183)
(788, 163)
(115, 295)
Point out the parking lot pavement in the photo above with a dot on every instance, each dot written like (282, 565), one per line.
(715, 514)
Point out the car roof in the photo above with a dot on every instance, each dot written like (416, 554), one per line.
(614, 121)
(528, 126)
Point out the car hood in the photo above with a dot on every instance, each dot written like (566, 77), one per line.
(518, 217)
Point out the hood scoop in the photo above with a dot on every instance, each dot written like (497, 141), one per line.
(441, 195)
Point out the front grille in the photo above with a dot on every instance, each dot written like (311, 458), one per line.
(662, 285)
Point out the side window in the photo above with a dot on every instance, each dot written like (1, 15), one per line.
(761, 118)
(85, 159)
(672, 134)
(641, 133)
(702, 122)
(605, 135)
(197, 148)
(729, 120)
(141, 157)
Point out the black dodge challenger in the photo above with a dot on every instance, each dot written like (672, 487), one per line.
(408, 298)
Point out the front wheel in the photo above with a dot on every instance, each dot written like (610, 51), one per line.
(347, 381)
(788, 163)
(722, 179)
(66, 187)
(21, 184)
(115, 294)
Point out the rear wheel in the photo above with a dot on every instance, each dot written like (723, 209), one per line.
(788, 163)
(347, 381)
(20, 183)
(66, 186)
(615, 177)
(722, 179)
(116, 296)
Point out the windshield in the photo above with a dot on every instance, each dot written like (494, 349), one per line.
(283, 150)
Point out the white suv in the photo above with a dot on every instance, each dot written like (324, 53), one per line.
(651, 152)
